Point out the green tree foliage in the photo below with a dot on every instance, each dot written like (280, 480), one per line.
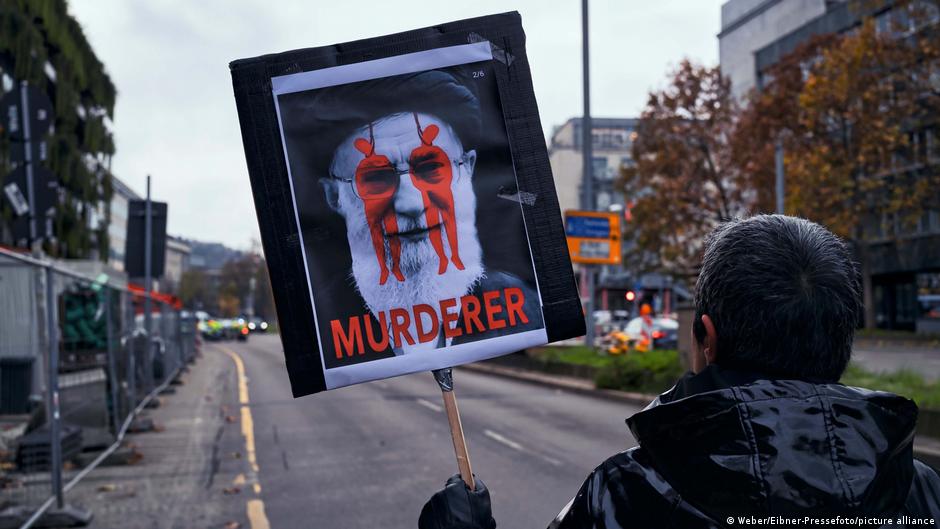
(37, 33)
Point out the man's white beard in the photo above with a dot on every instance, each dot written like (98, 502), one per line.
(419, 263)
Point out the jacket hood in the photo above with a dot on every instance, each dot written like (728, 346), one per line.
(779, 447)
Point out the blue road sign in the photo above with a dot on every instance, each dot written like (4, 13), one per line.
(589, 227)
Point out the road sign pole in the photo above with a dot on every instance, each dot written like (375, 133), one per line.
(148, 287)
(28, 160)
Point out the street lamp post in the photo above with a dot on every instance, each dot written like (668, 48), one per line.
(587, 166)
(780, 175)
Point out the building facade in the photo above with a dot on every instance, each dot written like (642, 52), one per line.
(749, 25)
(904, 257)
(117, 228)
(178, 253)
(612, 146)
(612, 151)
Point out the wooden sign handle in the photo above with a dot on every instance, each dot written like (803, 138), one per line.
(445, 380)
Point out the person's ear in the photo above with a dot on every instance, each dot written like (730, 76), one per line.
(331, 192)
(470, 161)
(710, 343)
(698, 359)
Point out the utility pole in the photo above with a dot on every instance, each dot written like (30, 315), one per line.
(587, 165)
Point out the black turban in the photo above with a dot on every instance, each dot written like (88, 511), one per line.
(316, 121)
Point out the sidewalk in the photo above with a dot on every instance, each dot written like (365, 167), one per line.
(887, 356)
(186, 476)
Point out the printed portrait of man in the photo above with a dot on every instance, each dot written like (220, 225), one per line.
(400, 188)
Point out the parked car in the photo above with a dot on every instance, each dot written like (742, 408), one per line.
(240, 327)
(211, 329)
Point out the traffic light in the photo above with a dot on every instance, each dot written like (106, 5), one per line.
(631, 296)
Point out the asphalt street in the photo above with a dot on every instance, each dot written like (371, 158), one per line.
(370, 455)
(234, 450)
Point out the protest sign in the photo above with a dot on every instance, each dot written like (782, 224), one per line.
(406, 205)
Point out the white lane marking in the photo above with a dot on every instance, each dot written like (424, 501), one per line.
(503, 440)
(516, 446)
(430, 405)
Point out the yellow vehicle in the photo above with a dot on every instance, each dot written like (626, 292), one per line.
(619, 342)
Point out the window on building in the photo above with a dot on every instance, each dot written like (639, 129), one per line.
(932, 139)
(599, 168)
(883, 22)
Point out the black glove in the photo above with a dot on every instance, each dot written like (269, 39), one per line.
(457, 507)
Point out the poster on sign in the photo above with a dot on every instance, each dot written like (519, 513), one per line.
(407, 209)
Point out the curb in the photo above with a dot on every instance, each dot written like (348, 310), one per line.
(575, 385)
(928, 452)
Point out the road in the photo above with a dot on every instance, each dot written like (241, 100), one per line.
(370, 455)
(360, 457)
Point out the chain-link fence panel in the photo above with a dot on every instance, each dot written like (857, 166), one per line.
(79, 356)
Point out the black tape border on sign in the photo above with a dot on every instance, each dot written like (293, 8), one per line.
(267, 169)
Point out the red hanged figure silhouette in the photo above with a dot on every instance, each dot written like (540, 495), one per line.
(432, 174)
(376, 183)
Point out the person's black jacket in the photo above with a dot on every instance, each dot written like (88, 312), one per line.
(723, 445)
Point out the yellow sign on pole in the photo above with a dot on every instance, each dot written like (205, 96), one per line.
(593, 237)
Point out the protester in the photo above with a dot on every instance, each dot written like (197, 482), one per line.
(761, 432)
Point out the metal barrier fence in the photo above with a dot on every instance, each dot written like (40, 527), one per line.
(77, 364)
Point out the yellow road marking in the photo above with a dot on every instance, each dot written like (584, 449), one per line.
(256, 516)
(248, 424)
(239, 480)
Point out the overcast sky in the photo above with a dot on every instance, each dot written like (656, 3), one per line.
(175, 116)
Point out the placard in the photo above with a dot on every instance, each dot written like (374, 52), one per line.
(406, 204)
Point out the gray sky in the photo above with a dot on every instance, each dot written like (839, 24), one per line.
(175, 117)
